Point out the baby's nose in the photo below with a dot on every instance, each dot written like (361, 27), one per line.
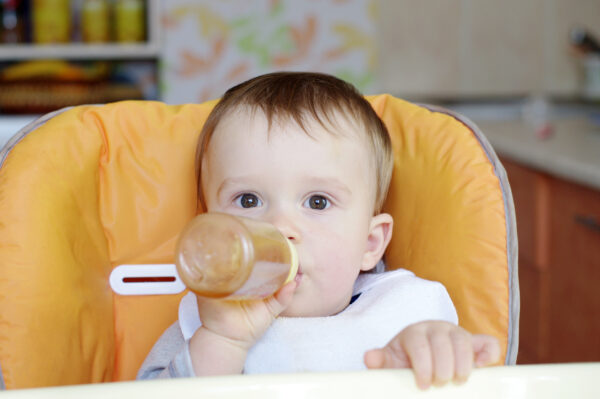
(287, 226)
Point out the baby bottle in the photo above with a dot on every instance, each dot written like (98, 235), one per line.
(223, 256)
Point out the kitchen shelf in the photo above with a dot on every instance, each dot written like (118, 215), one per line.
(79, 51)
(91, 51)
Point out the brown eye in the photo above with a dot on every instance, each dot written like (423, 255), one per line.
(248, 201)
(318, 202)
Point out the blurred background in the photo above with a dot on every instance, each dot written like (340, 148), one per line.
(527, 71)
(192, 50)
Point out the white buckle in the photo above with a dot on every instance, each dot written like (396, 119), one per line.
(159, 279)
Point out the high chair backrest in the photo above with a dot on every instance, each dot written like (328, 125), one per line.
(88, 188)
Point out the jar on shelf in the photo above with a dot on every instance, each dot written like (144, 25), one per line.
(129, 21)
(51, 21)
(12, 26)
(95, 21)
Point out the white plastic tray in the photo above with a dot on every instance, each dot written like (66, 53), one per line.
(575, 380)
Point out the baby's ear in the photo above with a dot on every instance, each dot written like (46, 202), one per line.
(380, 234)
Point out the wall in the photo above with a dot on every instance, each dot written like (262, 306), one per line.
(430, 49)
(211, 45)
(481, 48)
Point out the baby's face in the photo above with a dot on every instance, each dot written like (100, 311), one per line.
(318, 192)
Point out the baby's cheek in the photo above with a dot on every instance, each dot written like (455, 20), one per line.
(332, 262)
(336, 248)
(337, 261)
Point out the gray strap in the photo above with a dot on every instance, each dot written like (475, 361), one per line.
(2, 386)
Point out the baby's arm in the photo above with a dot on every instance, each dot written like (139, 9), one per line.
(437, 351)
(169, 357)
(230, 328)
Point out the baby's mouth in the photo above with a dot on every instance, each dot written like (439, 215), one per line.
(298, 277)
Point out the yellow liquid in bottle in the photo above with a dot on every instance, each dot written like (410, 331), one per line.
(224, 256)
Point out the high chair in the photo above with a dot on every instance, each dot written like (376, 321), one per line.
(88, 188)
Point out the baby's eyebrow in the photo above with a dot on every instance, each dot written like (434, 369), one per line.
(330, 183)
(234, 181)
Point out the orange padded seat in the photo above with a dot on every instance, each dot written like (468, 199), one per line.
(88, 188)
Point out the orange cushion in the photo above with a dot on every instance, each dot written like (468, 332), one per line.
(449, 217)
(94, 187)
(99, 186)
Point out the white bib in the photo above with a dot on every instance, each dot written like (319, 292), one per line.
(388, 302)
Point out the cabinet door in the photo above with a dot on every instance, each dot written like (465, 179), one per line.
(530, 191)
(574, 330)
(533, 347)
(531, 195)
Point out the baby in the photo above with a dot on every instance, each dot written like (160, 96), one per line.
(307, 153)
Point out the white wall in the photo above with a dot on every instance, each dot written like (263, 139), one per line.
(482, 47)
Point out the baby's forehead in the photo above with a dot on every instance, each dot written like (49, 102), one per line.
(237, 130)
(334, 121)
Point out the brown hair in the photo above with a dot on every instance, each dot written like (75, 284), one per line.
(297, 96)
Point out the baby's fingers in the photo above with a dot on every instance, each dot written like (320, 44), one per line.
(443, 357)
(463, 355)
(487, 350)
(419, 352)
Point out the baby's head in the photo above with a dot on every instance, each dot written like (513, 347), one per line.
(307, 153)
(304, 98)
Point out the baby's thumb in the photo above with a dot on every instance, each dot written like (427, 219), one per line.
(388, 357)
(374, 359)
(282, 298)
(486, 349)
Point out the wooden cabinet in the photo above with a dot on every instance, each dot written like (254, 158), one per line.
(574, 286)
(558, 224)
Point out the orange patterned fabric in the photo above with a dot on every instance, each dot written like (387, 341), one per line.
(99, 186)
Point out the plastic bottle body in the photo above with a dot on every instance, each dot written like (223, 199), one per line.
(224, 256)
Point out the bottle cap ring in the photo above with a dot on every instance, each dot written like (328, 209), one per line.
(293, 261)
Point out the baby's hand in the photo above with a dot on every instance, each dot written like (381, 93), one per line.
(230, 328)
(437, 351)
(243, 322)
